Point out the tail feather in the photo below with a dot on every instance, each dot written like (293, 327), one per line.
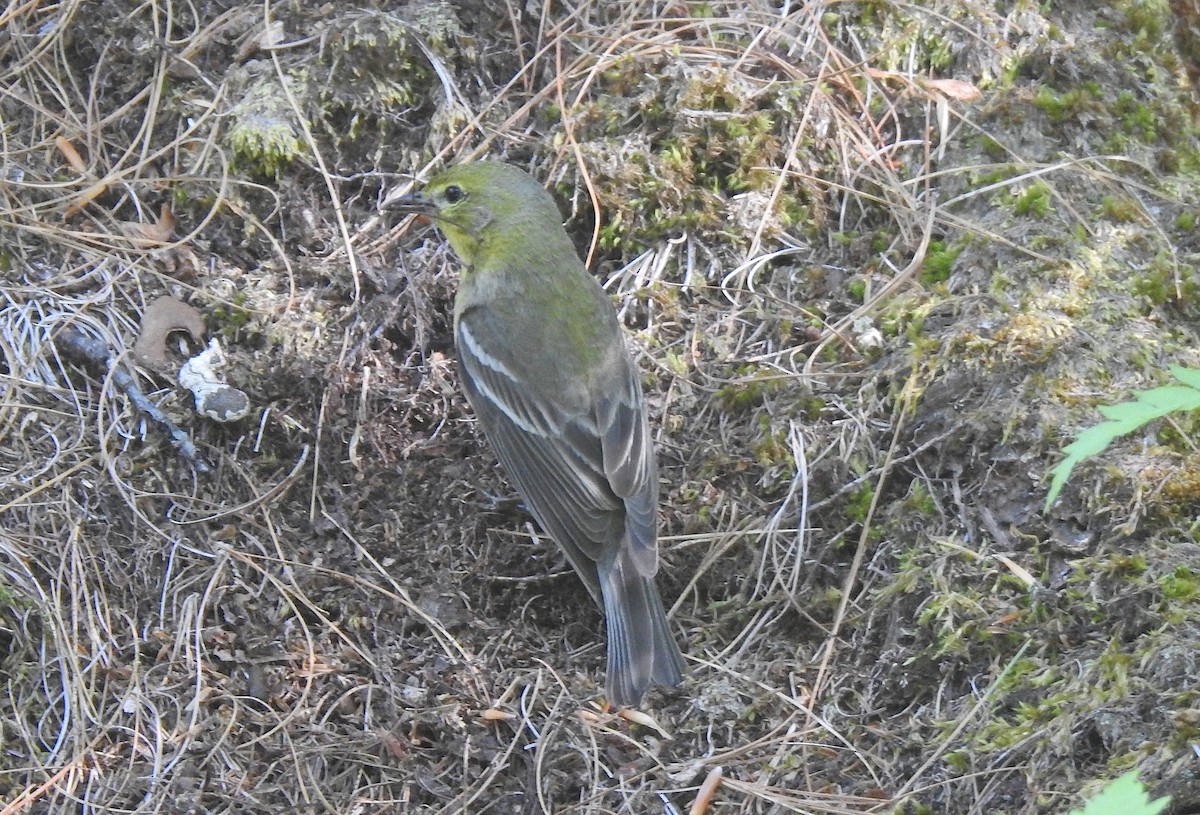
(642, 651)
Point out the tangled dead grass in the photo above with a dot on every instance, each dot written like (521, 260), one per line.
(339, 616)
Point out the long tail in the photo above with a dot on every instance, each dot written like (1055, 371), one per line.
(642, 651)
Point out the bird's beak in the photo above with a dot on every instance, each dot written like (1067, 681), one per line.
(414, 202)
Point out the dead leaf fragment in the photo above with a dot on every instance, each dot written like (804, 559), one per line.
(84, 198)
(164, 315)
(1019, 571)
(150, 235)
(955, 89)
(707, 792)
(643, 719)
(74, 160)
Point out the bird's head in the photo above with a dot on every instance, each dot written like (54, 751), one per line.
(482, 202)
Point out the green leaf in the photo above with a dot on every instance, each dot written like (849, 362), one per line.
(1124, 796)
(1188, 376)
(1126, 417)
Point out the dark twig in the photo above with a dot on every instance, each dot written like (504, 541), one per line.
(76, 345)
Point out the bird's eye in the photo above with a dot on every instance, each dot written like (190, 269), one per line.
(454, 194)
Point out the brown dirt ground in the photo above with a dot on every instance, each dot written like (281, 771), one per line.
(871, 309)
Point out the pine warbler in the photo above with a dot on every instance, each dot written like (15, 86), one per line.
(544, 365)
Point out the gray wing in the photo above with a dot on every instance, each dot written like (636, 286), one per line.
(629, 465)
(556, 460)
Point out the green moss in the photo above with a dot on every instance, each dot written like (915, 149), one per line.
(812, 408)
(1114, 664)
(1123, 565)
(960, 761)
(915, 808)
(909, 574)
(1120, 208)
(1187, 725)
(907, 318)
(687, 166)
(1070, 105)
(230, 319)
(373, 72)
(1137, 119)
(1149, 20)
(991, 176)
(1027, 672)
(747, 391)
(993, 149)
(794, 212)
(955, 618)
(1034, 200)
(1182, 584)
(771, 448)
(264, 137)
(920, 501)
(676, 363)
(1004, 732)
(859, 503)
(1163, 281)
(939, 260)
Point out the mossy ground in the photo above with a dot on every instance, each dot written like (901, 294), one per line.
(870, 312)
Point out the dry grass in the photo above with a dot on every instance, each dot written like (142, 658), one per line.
(338, 617)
